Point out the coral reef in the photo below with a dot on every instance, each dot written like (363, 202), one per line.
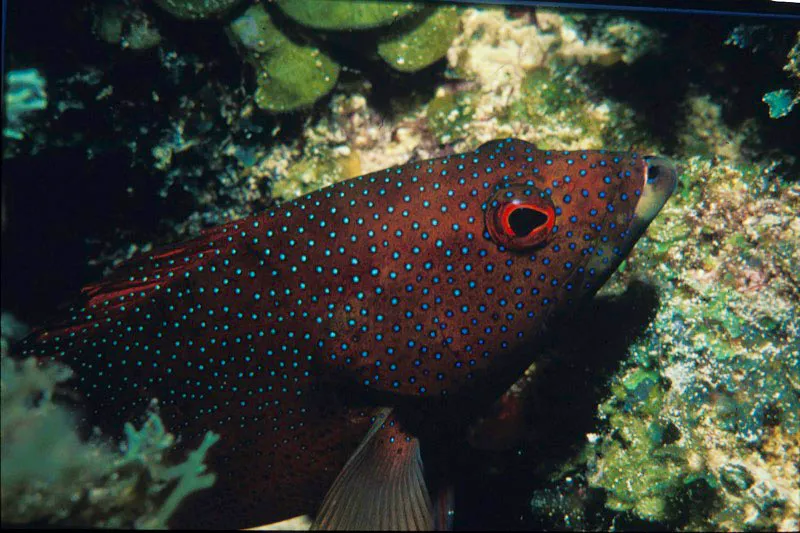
(407, 45)
(758, 37)
(293, 73)
(511, 78)
(697, 427)
(719, 366)
(24, 93)
(700, 427)
(51, 475)
(707, 401)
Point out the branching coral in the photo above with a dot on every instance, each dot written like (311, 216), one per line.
(51, 474)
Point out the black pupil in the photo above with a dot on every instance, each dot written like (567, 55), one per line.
(524, 220)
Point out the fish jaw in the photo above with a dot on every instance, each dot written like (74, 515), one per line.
(660, 181)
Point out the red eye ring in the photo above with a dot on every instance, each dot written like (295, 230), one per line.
(521, 224)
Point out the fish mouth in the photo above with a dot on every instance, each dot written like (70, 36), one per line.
(660, 180)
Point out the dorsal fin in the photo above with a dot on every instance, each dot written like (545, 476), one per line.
(159, 266)
(136, 280)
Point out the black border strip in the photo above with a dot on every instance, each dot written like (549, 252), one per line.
(754, 8)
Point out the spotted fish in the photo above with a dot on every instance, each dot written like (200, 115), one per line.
(318, 337)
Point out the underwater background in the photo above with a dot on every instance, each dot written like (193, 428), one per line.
(674, 400)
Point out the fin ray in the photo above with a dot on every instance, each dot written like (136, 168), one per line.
(382, 486)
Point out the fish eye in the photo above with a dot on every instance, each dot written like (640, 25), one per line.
(522, 220)
(519, 219)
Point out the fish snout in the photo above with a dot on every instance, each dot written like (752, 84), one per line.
(661, 173)
(660, 180)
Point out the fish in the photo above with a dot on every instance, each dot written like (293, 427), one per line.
(330, 339)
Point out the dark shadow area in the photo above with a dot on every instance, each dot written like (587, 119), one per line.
(85, 183)
(493, 489)
(694, 59)
(57, 208)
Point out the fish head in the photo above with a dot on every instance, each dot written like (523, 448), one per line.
(576, 215)
(461, 261)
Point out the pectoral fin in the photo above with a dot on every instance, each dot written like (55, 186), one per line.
(382, 485)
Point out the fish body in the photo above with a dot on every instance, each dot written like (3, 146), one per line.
(290, 332)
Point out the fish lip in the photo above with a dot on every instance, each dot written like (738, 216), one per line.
(660, 172)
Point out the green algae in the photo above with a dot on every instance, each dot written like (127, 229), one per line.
(51, 474)
(422, 45)
(294, 73)
(289, 75)
(549, 96)
(315, 170)
(660, 473)
(196, 9)
(639, 444)
(719, 364)
(351, 15)
(449, 115)
(546, 91)
(557, 102)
